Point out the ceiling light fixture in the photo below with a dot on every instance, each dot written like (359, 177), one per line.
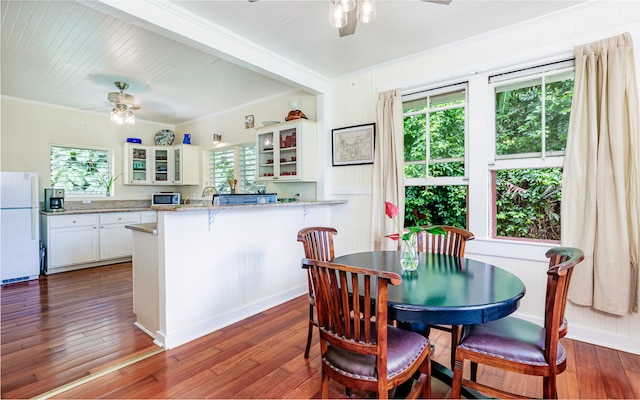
(121, 112)
(339, 11)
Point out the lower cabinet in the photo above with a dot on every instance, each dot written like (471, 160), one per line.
(115, 240)
(72, 240)
(86, 240)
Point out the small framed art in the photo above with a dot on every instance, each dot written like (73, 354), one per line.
(353, 145)
(248, 121)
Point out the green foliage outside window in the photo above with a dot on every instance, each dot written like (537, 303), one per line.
(79, 171)
(528, 203)
(436, 205)
(519, 117)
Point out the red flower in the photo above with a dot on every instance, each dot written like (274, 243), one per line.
(390, 209)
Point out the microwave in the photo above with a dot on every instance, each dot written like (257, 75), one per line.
(165, 199)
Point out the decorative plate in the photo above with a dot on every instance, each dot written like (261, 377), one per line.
(165, 137)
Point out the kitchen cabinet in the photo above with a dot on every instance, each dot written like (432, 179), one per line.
(115, 239)
(161, 165)
(71, 239)
(287, 151)
(87, 240)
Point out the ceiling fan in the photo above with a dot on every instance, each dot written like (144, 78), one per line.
(345, 14)
(122, 105)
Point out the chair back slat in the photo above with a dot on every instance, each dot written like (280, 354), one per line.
(562, 260)
(452, 243)
(344, 298)
(318, 242)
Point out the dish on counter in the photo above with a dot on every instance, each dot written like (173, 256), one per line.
(165, 137)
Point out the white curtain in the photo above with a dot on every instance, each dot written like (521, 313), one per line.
(388, 173)
(601, 183)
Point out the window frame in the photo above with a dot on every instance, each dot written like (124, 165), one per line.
(238, 167)
(443, 180)
(544, 159)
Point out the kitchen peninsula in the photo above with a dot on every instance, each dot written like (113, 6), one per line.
(201, 268)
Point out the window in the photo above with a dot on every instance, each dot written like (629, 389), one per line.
(80, 171)
(435, 130)
(532, 110)
(223, 169)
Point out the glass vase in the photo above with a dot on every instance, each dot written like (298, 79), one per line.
(409, 253)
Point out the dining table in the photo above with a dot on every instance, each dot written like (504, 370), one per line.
(447, 290)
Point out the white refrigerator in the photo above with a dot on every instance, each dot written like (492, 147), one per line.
(19, 217)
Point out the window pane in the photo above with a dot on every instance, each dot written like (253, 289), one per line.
(415, 137)
(519, 118)
(221, 170)
(248, 171)
(79, 171)
(436, 205)
(528, 203)
(446, 147)
(558, 96)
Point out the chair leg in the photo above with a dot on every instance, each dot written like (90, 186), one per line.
(456, 331)
(456, 385)
(324, 391)
(310, 333)
(549, 388)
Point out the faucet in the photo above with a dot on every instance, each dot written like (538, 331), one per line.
(207, 188)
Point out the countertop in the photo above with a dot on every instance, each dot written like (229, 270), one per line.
(150, 227)
(96, 211)
(196, 207)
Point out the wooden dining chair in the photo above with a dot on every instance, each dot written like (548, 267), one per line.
(520, 346)
(359, 350)
(318, 245)
(452, 243)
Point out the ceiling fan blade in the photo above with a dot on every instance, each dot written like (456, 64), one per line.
(352, 20)
(445, 2)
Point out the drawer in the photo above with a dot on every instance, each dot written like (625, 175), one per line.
(64, 221)
(120, 218)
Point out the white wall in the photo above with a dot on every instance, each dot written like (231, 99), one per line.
(353, 100)
(28, 130)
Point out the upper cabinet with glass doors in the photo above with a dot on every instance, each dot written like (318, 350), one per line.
(287, 151)
(161, 165)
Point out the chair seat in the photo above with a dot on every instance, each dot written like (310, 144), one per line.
(511, 339)
(403, 348)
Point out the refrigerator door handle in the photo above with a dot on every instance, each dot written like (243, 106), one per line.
(34, 224)
(34, 192)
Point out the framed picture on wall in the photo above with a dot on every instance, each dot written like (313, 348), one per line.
(353, 145)
(248, 121)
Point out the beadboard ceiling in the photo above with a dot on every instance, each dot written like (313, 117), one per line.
(186, 59)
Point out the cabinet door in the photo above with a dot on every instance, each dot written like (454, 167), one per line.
(116, 241)
(288, 153)
(177, 165)
(267, 154)
(137, 164)
(147, 217)
(161, 165)
(72, 245)
(186, 165)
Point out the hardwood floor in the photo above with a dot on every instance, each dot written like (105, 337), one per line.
(51, 329)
